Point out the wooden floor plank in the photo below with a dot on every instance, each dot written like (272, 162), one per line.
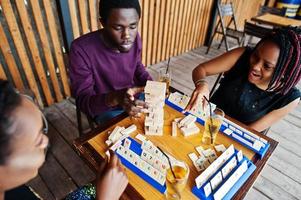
(289, 145)
(254, 194)
(285, 168)
(68, 109)
(66, 156)
(282, 181)
(288, 157)
(287, 130)
(271, 190)
(293, 120)
(58, 181)
(40, 188)
(64, 126)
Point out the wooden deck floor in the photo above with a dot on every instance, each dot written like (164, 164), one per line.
(64, 171)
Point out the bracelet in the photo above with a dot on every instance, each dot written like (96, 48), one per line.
(200, 81)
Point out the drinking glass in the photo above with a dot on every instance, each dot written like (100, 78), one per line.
(176, 180)
(212, 126)
(165, 76)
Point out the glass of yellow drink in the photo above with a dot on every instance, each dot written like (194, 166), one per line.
(212, 126)
(176, 180)
(165, 76)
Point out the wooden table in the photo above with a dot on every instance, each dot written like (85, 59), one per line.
(276, 20)
(92, 147)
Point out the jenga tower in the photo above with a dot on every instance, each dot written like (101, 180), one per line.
(154, 97)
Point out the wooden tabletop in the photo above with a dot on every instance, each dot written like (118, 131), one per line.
(276, 20)
(92, 147)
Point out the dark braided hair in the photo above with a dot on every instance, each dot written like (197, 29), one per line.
(288, 68)
(9, 100)
(105, 7)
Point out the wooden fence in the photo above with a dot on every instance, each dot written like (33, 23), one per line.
(32, 50)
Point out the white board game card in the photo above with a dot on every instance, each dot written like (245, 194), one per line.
(207, 189)
(228, 131)
(224, 189)
(216, 180)
(229, 166)
(239, 156)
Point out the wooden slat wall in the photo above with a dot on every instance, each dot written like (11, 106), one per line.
(167, 27)
(31, 49)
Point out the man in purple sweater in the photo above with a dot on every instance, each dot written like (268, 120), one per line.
(105, 66)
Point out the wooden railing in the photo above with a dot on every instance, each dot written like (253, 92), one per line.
(31, 44)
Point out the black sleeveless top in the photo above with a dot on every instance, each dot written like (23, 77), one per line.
(242, 100)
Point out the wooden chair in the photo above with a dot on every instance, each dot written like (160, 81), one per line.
(253, 30)
(226, 10)
(91, 122)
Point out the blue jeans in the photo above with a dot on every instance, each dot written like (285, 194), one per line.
(106, 116)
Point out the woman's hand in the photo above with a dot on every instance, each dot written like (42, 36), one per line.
(197, 97)
(113, 181)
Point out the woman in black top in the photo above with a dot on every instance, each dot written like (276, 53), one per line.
(258, 88)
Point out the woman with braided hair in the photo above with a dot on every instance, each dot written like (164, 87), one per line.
(258, 87)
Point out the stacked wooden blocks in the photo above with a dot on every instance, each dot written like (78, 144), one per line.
(187, 126)
(155, 98)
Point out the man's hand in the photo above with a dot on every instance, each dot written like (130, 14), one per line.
(126, 99)
(131, 105)
(113, 181)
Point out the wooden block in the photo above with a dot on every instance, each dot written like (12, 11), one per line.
(174, 129)
(140, 137)
(177, 119)
(129, 130)
(114, 135)
(220, 148)
(187, 120)
(116, 145)
(190, 131)
(193, 157)
(200, 150)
